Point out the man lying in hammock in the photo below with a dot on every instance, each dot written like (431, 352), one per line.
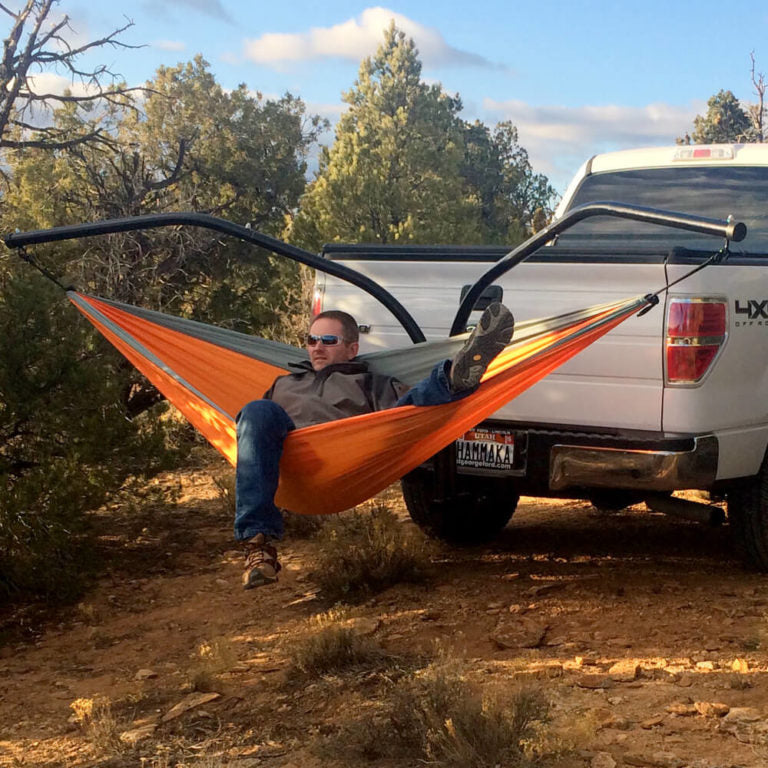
(332, 385)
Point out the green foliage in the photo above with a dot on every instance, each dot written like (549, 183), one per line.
(405, 168)
(498, 175)
(65, 443)
(363, 553)
(73, 415)
(194, 147)
(725, 122)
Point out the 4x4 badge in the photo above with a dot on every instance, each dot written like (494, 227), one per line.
(754, 309)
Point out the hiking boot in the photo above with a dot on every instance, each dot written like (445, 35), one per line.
(261, 563)
(491, 335)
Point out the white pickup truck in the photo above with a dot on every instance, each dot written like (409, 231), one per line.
(674, 399)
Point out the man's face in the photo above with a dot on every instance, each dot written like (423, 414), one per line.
(321, 355)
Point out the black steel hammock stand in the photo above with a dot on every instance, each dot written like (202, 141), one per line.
(729, 229)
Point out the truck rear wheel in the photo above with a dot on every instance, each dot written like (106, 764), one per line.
(476, 511)
(748, 520)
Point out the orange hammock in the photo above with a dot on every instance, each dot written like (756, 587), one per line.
(330, 467)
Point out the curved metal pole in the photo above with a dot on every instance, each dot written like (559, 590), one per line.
(731, 230)
(128, 224)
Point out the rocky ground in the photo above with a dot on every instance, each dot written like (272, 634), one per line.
(643, 633)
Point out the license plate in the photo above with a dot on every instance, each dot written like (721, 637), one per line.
(486, 449)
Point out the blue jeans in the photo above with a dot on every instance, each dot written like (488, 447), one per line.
(262, 427)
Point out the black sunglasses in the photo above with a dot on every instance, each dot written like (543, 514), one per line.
(327, 340)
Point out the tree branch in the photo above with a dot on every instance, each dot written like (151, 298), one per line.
(96, 135)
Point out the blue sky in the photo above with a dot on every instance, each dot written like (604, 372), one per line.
(575, 77)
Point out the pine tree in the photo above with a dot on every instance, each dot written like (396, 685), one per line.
(393, 173)
(725, 122)
(405, 168)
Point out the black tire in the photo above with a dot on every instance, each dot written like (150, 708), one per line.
(477, 511)
(748, 520)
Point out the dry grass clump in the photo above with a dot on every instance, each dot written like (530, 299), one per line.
(435, 717)
(333, 644)
(211, 659)
(99, 724)
(302, 526)
(225, 490)
(364, 553)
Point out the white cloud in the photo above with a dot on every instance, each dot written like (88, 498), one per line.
(559, 139)
(356, 38)
(49, 82)
(331, 112)
(169, 45)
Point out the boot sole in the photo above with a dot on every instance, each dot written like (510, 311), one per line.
(472, 361)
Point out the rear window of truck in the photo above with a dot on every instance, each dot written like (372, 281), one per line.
(714, 192)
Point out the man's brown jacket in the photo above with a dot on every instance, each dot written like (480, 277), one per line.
(335, 392)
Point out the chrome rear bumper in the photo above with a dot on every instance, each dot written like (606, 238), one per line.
(581, 466)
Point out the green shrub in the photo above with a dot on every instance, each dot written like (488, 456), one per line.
(363, 553)
(66, 443)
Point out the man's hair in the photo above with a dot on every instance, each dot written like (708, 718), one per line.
(348, 323)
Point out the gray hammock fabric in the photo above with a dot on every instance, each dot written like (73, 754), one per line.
(407, 364)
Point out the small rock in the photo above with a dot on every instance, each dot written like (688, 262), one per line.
(137, 734)
(616, 700)
(616, 723)
(603, 760)
(682, 709)
(222, 583)
(656, 760)
(624, 671)
(711, 708)
(145, 674)
(685, 681)
(520, 632)
(705, 666)
(593, 682)
(495, 604)
(518, 609)
(740, 665)
(510, 577)
(189, 702)
(743, 715)
(365, 625)
(551, 586)
(652, 722)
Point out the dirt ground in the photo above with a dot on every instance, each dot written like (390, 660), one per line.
(645, 634)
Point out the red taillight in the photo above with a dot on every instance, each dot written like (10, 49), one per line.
(696, 330)
(317, 302)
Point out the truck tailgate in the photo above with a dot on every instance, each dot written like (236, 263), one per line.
(591, 389)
